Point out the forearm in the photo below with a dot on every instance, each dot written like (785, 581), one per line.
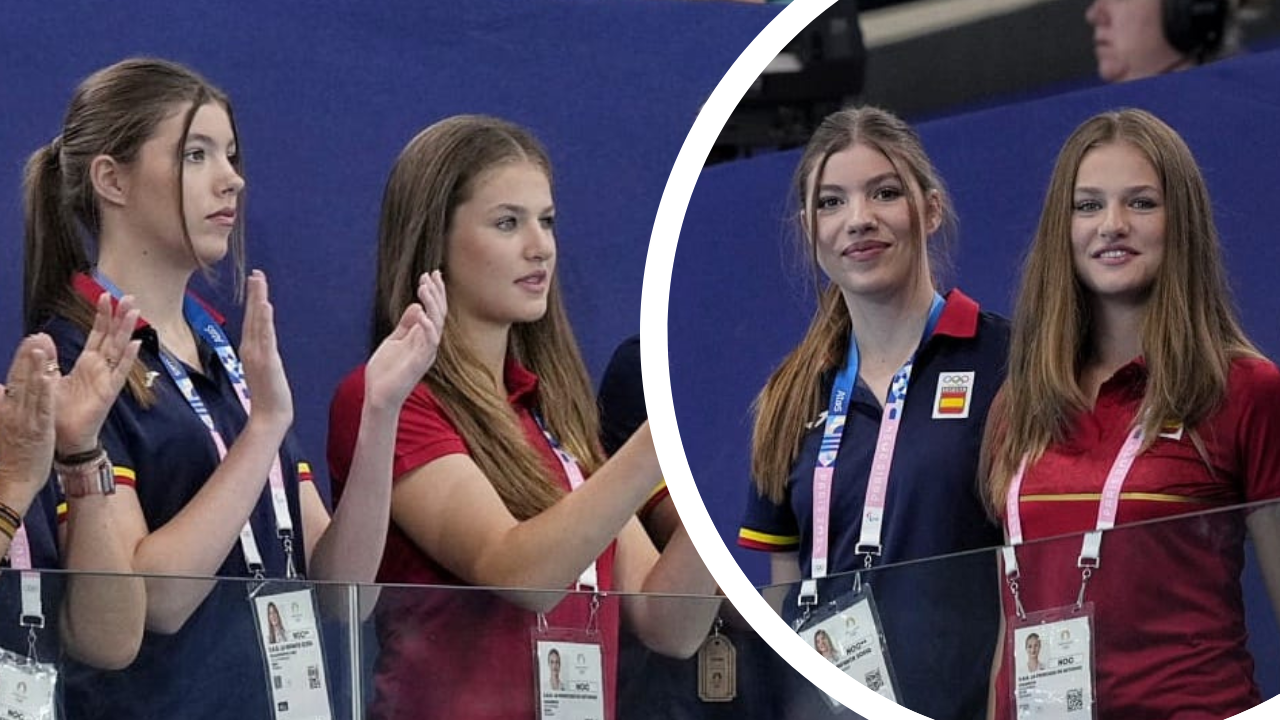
(351, 547)
(17, 494)
(551, 549)
(198, 539)
(666, 622)
(1264, 529)
(103, 615)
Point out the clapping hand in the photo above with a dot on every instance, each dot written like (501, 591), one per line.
(85, 396)
(26, 419)
(404, 357)
(260, 356)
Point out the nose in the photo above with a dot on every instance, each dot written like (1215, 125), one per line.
(231, 182)
(1115, 223)
(540, 243)
(1093, 13)
(860, 219)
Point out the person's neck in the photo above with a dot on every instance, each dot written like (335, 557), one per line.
(888, 329)
(1116, 335)
(1115, 340)
(489, 342)
(157, 287)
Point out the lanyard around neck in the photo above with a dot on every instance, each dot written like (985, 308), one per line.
(869, 542)
(588, 578)
(207, 328)
(1091, 546)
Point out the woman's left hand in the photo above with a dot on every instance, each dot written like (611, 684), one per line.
(85, 396)
(26, 420)
(404, 357)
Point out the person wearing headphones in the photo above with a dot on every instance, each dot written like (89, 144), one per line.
(1140, 38)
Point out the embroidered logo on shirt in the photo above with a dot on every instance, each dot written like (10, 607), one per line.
(951, 399)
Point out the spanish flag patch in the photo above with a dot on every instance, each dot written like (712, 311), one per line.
(953, 396)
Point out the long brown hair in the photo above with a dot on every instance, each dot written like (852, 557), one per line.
(435, 173)
(1190, 332)
(793, 394)
(113, 112)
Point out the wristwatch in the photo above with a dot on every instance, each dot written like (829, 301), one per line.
(86, 473)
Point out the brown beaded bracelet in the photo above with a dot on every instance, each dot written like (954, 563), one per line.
(8, 513)
(79, 458)
(8, 528)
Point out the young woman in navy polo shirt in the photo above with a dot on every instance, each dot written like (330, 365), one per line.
(870, 208)
(493, 447)
(147, 163)
(1126, 349)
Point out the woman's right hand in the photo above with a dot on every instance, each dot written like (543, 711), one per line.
(27, 420)
(86, 394)
(260, 357)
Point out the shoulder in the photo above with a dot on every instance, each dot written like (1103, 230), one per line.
(1251, 375)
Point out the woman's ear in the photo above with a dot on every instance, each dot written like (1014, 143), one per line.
(932, 211)
(110, 180)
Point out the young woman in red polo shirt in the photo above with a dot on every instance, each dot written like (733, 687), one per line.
(492, 449)
(1133, 394)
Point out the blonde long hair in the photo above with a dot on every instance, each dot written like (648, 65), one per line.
(434, 174)
(793, 394)
(1190, 332)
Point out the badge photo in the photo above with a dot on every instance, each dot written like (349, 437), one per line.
(954, 393)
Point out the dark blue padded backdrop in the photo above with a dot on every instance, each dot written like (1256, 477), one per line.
(739, 300)
(327, 93)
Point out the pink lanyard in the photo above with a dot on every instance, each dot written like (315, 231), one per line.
(589, 577)
(1091, 547)
(32, 616)
(882, 461)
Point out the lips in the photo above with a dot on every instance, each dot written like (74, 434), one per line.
(1114, 255)
(864, 249)
(534, 281)
(225, 217)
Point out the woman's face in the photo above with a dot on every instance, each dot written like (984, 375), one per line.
(822, 644)
(1117, 223)
(1033, 647)
(501, 251)
(210, 189)
(863, 226)
(1128, 39)
(553, 663)
(273, 615)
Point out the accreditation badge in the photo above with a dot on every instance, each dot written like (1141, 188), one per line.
(848, 633)
(290, 639)
(717, 668)
(568, 667)
(26, 688)
(1053, 674)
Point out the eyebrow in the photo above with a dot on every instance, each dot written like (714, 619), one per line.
(882, 177)
(520, 209)
(202, 138)
(1131, 189)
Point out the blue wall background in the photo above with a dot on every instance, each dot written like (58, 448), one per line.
(739, 299)
(327, 93)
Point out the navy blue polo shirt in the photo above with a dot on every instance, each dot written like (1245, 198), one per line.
(940, 617)
(166, 455)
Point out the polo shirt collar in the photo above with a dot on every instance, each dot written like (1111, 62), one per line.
(87, 287)
(959, 316)
(522, 384)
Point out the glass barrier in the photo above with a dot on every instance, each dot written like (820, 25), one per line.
(1175, 622)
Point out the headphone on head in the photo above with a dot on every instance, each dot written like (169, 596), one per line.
(1195, 27)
